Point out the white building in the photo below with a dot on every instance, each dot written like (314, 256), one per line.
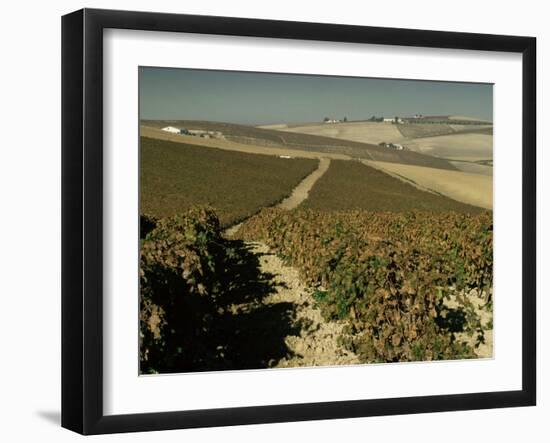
(204, 133)
(395, 146)
(392, 120)
(171, 129)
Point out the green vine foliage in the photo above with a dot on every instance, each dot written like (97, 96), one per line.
(182, 262)
(389, 275)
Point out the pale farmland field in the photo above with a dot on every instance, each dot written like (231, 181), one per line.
(268, 140)
(471, 128)
(228, 145)
(474, 168)
(462, 142)
(466, 118)
(364, 132)
(468, 147)
(474, 189)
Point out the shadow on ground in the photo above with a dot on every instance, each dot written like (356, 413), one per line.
(53, 417)
(242, 332)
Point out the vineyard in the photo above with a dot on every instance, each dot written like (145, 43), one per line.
(306, 142)
(354, 185)
(400, 283)
(180, 263)
(202, 299)
(392, 277)
(175, 177)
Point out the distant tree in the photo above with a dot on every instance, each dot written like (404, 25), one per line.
(326, 119)
(345, 119)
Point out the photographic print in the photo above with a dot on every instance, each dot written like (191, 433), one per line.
(303, 220)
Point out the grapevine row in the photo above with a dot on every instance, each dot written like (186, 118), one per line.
(389, 276)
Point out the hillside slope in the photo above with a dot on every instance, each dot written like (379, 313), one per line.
(306, 142)
(353, 185)
(175, 177)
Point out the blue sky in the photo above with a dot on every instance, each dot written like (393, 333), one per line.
(260, 98)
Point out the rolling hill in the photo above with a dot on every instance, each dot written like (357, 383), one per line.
(306, 142)
(175, 177)
(353, 185)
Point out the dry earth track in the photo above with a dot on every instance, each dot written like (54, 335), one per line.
(298, 195)
(317, 341)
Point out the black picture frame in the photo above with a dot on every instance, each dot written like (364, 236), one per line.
(82, 218)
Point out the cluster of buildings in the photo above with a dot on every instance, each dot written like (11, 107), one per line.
(395, 146)
(194, 132)
(395, 120)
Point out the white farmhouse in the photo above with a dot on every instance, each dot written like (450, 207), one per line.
(171, 129)
(393, 120)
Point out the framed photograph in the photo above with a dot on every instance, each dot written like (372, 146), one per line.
(269, 221)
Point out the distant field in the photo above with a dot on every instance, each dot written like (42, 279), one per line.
(414, 130)
(177, 176)
(473, 129)
(468, 119)
(306, 142)
(229, 145)
(471, 188)
(418, 130)
(452, 139)
(274, 126)
(374, 133)
(467, 146)
(474, 168)
(353, 185)
(455, 119)
(364, 132)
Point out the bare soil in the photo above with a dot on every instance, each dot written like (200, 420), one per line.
(301, 192)
(229, 145)
(298, 195)
(364, 132)
(485, 350)
(266, 139)
(461, 146)
(316, 341)
(474, 168)
(313, 342)
(473, 189)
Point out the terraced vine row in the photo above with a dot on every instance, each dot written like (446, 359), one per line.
(389, 275)
(182, 278)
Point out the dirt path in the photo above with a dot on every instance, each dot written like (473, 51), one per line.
(229, 145)
(299, 193)
(314, 342)
(288, 330)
